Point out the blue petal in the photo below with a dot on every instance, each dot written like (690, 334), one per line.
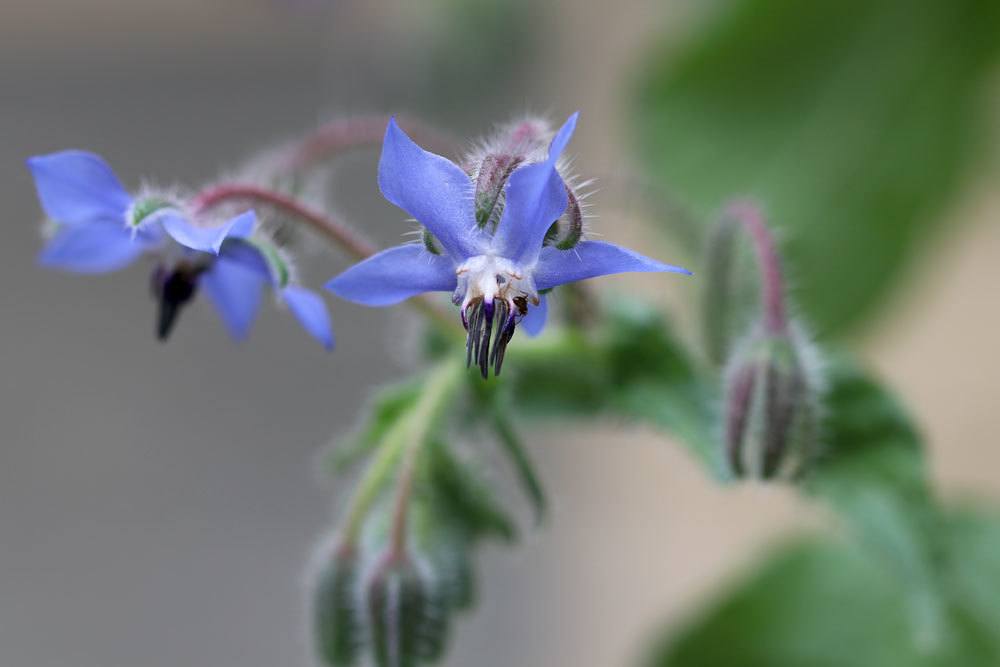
(534, 321)
(433, 190)
(243, 253)
(310, 311)
(235, 291)
(95, 248)
(536, 197)
(589, 259)
(394, 275)
(76, 187)
(242, 226)
(205, 239)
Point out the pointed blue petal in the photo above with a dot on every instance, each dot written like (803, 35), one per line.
(98, 247)
(246, 254)
(242, 226)
(534, 321)
(309, 309)
(235, 291)
(205, 239)
(536, 197)
(433, 190)
(394, 275)
(76, 187)
(589, 259)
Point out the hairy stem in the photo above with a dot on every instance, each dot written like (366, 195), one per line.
(344, 134)
(341, 235)
(768, 262)
(228, 193)
(404, 441)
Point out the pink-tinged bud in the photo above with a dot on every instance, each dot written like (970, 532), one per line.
(567, 231)
(493, 172)
(407, 616)
(771, 403)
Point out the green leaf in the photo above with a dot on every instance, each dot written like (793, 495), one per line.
(872, 471)
(822, 604)
(460, 497)
(870, 440)
(853, 122)
(386, 407)
(813, 604)
(521, 461)
(633, 367)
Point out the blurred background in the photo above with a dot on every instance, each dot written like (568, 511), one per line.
(158, 503)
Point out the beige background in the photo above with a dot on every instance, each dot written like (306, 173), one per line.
(157, 503)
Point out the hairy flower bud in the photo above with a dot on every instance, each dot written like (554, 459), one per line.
(337, 620)
(770, 407)
(408, 620)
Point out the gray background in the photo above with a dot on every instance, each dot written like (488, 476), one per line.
(158, 502)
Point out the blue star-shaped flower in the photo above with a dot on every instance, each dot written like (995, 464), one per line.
(496, 276)
(102, 228)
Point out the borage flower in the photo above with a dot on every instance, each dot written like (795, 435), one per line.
(100, 227)
(492, 237)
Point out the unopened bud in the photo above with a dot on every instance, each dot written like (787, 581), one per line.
(407, 618)
(337, 622)
(492, 175)
(567, 231)
(770, 407)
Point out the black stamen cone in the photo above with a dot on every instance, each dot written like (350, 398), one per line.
(483, 349)
(481, 319)
(172, 293)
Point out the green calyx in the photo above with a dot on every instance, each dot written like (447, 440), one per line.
(430, 243)
(144, 208)
(277, 264)
(567, 231)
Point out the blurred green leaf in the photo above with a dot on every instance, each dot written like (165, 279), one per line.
(811, 605)
(521, 461)
(633, 366)
(821, 604)
(384, 409)
(873, 472)
(853, 123)
(460, 497)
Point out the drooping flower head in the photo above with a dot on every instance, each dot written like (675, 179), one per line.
(498, 235)
(100, 227)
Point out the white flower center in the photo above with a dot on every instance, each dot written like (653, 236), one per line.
(490, 278)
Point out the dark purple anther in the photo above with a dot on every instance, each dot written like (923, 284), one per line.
(173, 289)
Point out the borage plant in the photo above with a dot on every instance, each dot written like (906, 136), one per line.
(498, 231)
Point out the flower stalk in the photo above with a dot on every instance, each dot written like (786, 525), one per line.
(404, 442)
(772, 290)
(341, 235)
(341, 135)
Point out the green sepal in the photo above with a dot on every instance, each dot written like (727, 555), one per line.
(275, 262)
(143, 208)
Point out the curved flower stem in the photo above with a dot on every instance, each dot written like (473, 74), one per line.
(768, 262)
(344, 134)
(228, 193)
(405, 440)
(341, 235)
